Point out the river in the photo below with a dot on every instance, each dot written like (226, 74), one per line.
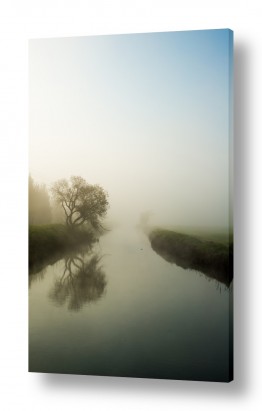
(124, 311)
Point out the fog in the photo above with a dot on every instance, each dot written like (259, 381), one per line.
(146, 116)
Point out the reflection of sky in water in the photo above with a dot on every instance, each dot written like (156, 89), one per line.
(155, 319)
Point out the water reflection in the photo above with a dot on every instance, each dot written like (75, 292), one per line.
(147, 323)
(82, 282)
(81, 277)
(219, 269)
(37, 276)
(40, 258)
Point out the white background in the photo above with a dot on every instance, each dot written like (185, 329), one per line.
(21, 20)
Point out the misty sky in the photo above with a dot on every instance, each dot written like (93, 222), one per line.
(144, 115)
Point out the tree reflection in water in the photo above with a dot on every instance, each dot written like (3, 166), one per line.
(82, 282)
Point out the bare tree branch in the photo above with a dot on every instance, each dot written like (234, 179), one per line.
(81, 202)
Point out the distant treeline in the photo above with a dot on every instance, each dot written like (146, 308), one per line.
(40, 207)
(39, 204)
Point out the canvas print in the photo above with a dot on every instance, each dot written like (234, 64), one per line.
(130, 207)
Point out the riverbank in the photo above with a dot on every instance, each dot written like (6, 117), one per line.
(48, 243)
(211, 258)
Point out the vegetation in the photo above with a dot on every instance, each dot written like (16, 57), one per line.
(39, 203)
(211, 258)
(49, 243)
(82, 202)
(83, 206)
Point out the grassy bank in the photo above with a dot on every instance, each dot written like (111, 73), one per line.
(211, 258)
(48, 243)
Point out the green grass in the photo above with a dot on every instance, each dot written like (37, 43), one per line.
(215, 259)
(215, 234)
(48, 243)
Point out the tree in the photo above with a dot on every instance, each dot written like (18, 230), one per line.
(82, 202)
(38, 203)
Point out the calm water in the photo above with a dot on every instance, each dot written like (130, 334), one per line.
(125, 311)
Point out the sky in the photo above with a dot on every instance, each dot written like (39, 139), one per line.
(146, 116)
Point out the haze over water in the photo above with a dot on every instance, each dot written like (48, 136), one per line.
(147, 117)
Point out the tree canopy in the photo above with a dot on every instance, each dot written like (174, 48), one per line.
(82, 202)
